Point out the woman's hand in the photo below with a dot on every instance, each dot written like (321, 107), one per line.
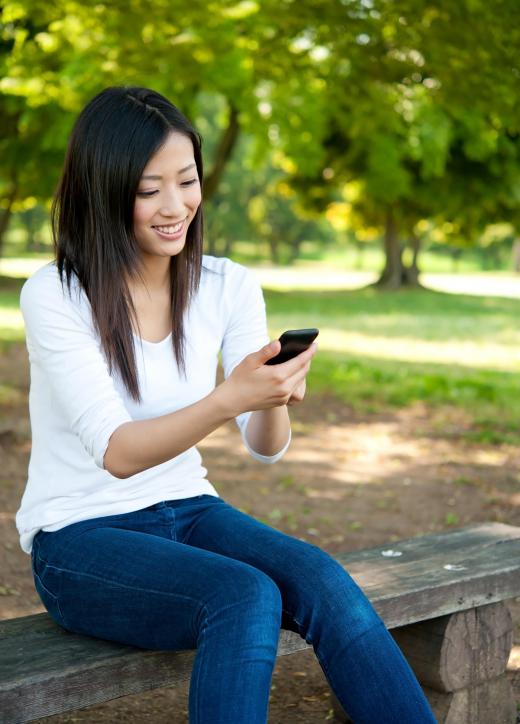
(253, 385)
(297, 395)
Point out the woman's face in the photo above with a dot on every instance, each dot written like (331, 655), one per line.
(167, 198)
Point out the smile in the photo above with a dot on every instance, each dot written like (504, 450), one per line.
(170, 231)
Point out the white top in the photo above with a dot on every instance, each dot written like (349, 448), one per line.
(75, 404)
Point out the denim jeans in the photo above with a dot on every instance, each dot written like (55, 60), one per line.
(198, 573)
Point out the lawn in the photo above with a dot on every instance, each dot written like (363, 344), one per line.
(392, 349)
(381, 350)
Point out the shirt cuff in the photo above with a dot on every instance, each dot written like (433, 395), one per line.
(267, 459)
(103, 439)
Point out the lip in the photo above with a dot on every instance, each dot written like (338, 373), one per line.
(170, 237)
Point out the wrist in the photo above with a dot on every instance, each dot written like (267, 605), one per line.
(222, 399)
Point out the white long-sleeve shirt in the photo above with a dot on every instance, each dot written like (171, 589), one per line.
(75, 404)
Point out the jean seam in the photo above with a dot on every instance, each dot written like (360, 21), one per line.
(195, 683)
(67, 542)
(51, 594)
(200, 519)
(121, 585)
(172, 524)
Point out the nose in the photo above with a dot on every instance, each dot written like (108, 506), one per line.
(172, 203)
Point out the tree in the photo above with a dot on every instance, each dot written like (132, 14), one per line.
(385, 92)
(432, 130)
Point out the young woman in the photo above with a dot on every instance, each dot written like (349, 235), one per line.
(129, 540)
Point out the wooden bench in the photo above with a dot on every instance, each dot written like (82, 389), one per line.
(442, 595)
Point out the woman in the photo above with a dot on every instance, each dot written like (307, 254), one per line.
(129, 540)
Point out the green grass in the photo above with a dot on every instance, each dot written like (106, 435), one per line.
(387, 350)
(382, 350)
(346, 256)
(415, 314)
(11, 322)
(490, 399)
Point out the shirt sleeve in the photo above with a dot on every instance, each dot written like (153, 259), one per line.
(246, 332)
(64, 346)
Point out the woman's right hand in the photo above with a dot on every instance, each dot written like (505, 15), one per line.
(253, 385)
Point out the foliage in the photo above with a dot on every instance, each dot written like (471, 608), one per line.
(415, 102)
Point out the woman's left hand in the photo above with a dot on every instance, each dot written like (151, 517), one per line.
(298, 394)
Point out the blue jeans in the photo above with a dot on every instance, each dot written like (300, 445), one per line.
(199, 574)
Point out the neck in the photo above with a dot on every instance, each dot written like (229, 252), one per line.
(154, 273)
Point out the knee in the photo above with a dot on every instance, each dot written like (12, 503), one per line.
(250, 592)
(334, 585)
(325, 570)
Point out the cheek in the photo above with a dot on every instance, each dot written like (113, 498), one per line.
(140, 212)
(195, 198)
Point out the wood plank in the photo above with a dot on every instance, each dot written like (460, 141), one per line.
(491, 702)
(81, 670)
(416, 586)
(75, 671)
(460, 650)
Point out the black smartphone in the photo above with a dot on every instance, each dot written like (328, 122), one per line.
(293, 342)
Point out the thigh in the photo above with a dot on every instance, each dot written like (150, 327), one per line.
(135, 587)
(302, 571)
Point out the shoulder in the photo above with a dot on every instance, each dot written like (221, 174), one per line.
(45, 281)
(231, 273)
(221, 265)
(44, 292)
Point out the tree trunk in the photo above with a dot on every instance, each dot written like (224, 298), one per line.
(411, 272)
(273, 250)
(396, 274)
(5, 216)
(30, 223)
(210, 246)
(392, 275)
(228, 245)
(295, 245)
(225, 148)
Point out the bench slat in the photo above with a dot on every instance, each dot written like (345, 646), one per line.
(45, 669)
(416, 586)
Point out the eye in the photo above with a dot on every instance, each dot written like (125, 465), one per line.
(146, 193)
(189, 183)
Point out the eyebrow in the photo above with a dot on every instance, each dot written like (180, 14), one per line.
(186, 168)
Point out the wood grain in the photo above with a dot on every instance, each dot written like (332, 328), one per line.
(45, 669)
(461, 650)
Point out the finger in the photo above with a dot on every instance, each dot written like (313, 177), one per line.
(298, 394)
(296, 363)
(265, 353)
(294, 381)
(295, 397)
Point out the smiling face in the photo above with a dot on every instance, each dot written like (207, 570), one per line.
(167, 198)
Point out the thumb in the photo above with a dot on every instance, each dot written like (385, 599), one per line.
(270, 350)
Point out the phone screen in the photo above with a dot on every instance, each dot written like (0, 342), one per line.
(293, 341)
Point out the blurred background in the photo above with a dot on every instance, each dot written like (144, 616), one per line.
(363, 157)
(348, 144)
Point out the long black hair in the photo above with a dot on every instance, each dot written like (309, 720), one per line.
(92, 217)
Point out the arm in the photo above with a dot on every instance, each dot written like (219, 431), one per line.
(266, 434)
(141, 444)
(61, 341)
(254, 394)
(268, 431)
